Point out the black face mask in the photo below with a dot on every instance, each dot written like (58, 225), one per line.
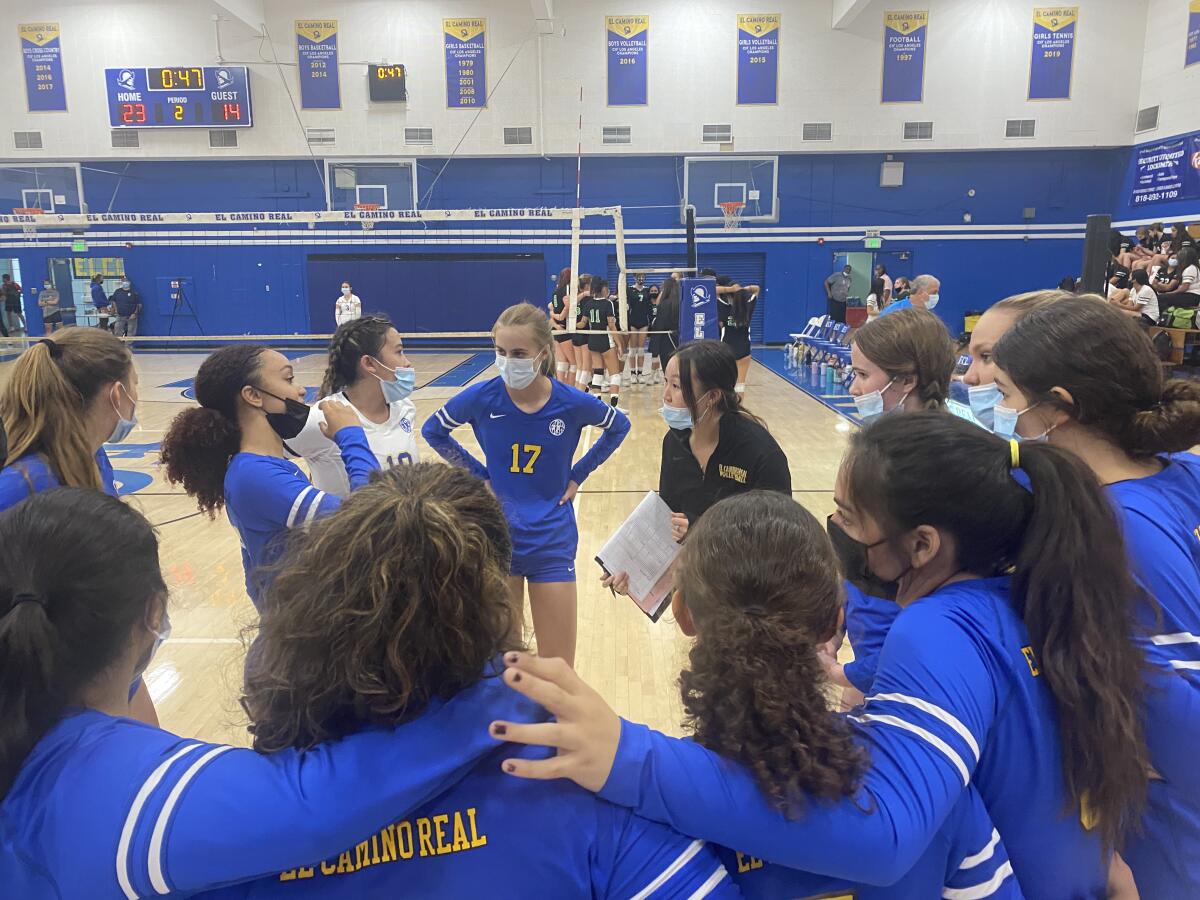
(291, 422)
(852, 558)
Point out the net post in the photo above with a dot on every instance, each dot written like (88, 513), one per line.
(690, 221)
(572, 287)
(622, 291)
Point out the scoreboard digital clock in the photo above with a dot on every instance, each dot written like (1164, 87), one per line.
(179, 97)
(386, 82)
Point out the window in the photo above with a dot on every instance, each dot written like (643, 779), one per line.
(717, 134)
(418, 135)
(125, 137)
(1147, 119)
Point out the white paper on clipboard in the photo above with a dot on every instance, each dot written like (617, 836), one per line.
(644, 549)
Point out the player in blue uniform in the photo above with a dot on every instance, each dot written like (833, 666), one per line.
(96, 805)
(901, 362)
(1085, 377)
(421, 610)
(69, 395)
(528, 426)
(1024, 684)
(228, 452)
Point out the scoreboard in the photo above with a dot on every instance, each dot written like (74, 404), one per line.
(179, 97)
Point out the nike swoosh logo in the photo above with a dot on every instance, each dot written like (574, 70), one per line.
(497, 416)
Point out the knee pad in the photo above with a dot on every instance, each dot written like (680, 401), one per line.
(560, 367)
(597, 378)
(614, 381)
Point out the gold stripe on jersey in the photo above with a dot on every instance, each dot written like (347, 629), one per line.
(436, 835)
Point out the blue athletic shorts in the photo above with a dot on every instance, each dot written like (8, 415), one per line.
(546, 570)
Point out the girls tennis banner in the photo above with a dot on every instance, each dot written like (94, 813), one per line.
(317, 55)
(41, 51)
(904, 36)
(1192, 56)
(1166, 171)
(465, 43)
(1053, 52)
(758, 59)
(627, 38)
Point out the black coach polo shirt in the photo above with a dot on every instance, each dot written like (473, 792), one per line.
(746, 458)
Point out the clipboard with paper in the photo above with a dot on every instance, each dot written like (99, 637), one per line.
(642, 547)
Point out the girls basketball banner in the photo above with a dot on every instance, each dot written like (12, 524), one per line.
(628, 40)
(1053, 52)
(758, 58)
(317, 55)
(41, 51)
(465, 43)
(1192, 55)
(904, 36)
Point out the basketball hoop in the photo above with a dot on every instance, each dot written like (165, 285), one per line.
(733, 213)
(367, 224)
(28, 211)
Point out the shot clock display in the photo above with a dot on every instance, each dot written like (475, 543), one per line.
(179, 97)
(386, 82)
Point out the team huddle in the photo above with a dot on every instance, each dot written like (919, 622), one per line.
(1022, 591)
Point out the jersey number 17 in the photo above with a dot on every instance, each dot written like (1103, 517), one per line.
(534, 452)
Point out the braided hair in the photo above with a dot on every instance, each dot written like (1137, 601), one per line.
(351, 342)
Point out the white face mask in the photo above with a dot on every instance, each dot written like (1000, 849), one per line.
(518, 374)
(1172, 262)
(346, 291)
(931, 301)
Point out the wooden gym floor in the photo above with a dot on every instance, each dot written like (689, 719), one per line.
(195, 677)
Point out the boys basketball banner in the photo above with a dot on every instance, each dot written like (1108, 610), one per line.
(627, 38)
(465, 42)
(904, 36)
(758, 58)
(1192, 56)
(1053, 52)
(41, 50)
(317, 54)
(1166, 171)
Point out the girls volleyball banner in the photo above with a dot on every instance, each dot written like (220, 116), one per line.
(465, 43)
(1192, 56)
(904, 36)
(628, 39)
(41, 51)
(1167, 171)
(317, 56)
(758, 59)
(1053, 52)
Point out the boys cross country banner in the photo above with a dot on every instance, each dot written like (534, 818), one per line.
(1192, 56)
(1167, 171)
(317, 54)
(1053, 52)
(758, 58)
(627, 38)
(465, 42)
(41, 51)
(904, 35)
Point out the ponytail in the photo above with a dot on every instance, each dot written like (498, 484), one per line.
(200, 441)
(1071, 581)
(351, 342)
(45, 402)
(65, 618)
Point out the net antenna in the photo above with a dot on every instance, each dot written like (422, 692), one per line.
(733, 213)
(367, 224)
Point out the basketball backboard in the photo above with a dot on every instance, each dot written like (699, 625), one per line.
(709, 181)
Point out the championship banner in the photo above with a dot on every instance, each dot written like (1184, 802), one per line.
(904, 37)
(1053, 52)
(698, 310)
(758, 58)
(41, 50)
(465, 42)
(627, 38)
(1192, 56)
(1166, 171)
(317, 53)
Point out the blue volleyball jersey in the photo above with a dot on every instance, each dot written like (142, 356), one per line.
(107, 807)
(266, 496)
(965, 860)
(498, 836)
(868, 619)
(529, 457)
(958, 697)
(1160, 518)
(31, 474)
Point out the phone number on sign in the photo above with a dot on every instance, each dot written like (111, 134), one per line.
(1157, 195)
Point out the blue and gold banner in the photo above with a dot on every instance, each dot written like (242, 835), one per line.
(905, 33)
(627, 38)
(465, 41)
(41, 50)
(1192, 55)
(317, 53)
(758, 58)
(1053, 52)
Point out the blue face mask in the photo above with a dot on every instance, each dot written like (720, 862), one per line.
(870, 406)
(403, 385)
(1005, 424)
(123, 426)
(984, 399)
(677, 417)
